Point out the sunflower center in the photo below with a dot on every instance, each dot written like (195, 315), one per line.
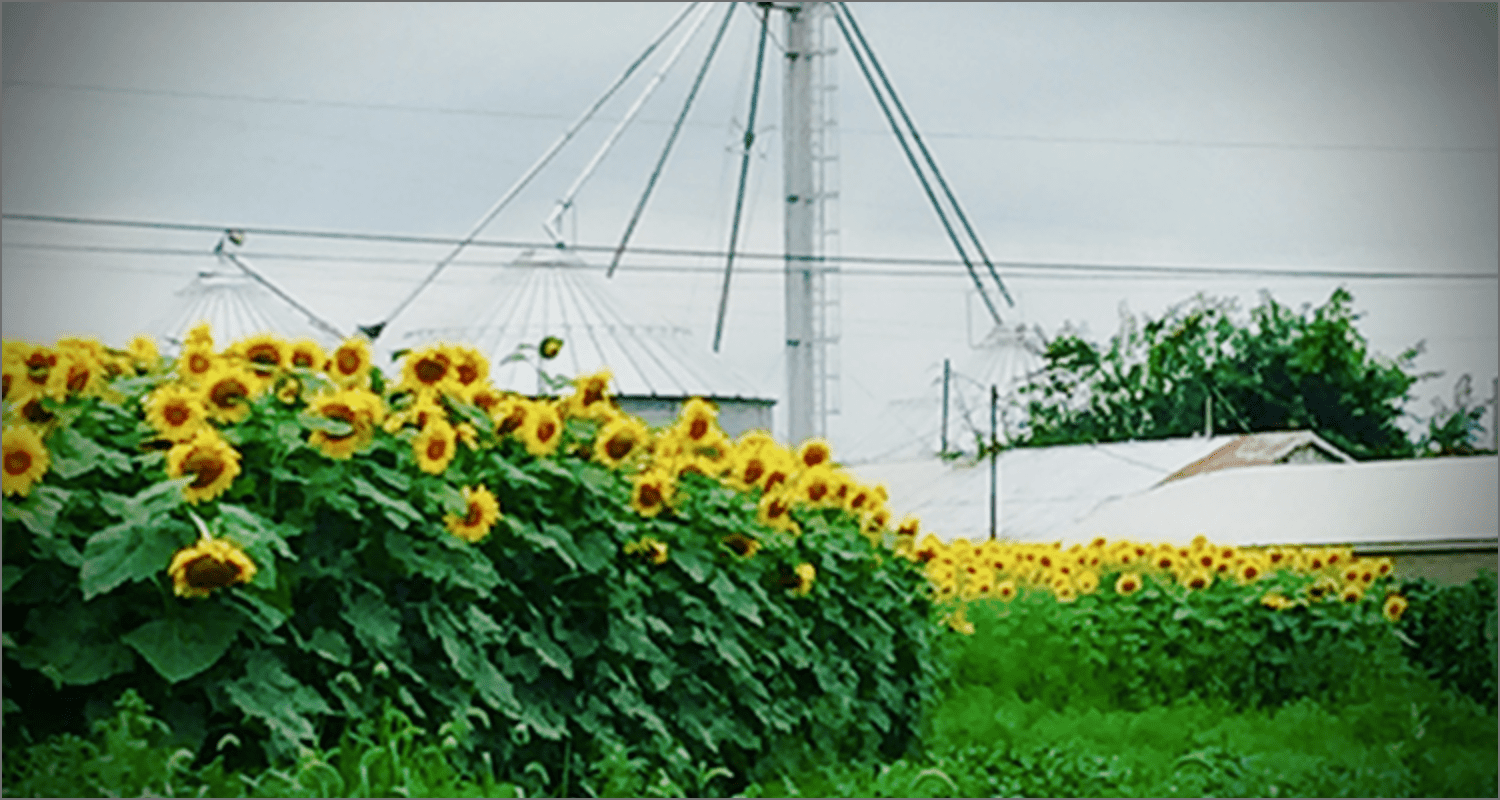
(341, 413)
(228, 393)
(207, 572)
(816, 491)
(650, 495)
(754, 470)
(815, 456)
(467, 374)
(78, 377)
(512, 422)
(776, 509)
(17, 462)
(698, 429)
(206, 466)
(436, 449)
(264, 354)
(545, 431)
(347, 362)
(774, 478)
(5, 386)
(176, 414)
(430, 370)
(592, 394)
(33, 412)
(302, 359)
(619, 446)
(475, 515)
(199, 363)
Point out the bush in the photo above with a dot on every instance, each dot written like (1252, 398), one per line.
(1450, 633)
(545, 577)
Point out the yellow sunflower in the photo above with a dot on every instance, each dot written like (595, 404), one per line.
(749, 465)
(486, 398)
(1127, 583)
(176, 412)
(41, 375)
(1197, 579)
(351, 363)
(648, 549)
(143, 353)
(697, 421)
(195, 363)
(287, 389)
(435, 446)
(483, 511)
(1006, 590)
(1275, 601)
(815, 486)
(618, 440)
(208, 565)
(360, 409)
(264, 352)
(81, 365)
(430, 370)
(200, 335)
(543, 430)
(774, 511)
(1394, 606)
(511, 415)
(742, 545)
(12, 376)
(590, 398)
(650, 492)
(550, 347)
(25, 460)
(467, 434)
(802, 579)
(812, 453)
(470, 368)
(306, 354)
(1352, 593)
(227, 391)
(211, 461)
(1086, 581)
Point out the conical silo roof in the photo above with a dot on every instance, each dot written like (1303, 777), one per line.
(556, 294)
(236, 306)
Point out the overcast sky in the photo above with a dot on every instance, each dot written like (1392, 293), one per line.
(1341, 136)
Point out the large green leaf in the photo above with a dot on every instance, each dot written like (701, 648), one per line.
(186, 643)
(74, 454)
(377, 626)
(735, 600)
(76, 645)
(398, 511)
(38, 511)
(447, 561)
(269, 693)
(130, 552)
(263, 541)
(548, 651)
(469, 661)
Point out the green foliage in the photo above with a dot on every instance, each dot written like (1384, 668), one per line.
(541, 647)
(1279, 370)
(1450, 633)
(1456, 430)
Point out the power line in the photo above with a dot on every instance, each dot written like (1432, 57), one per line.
(950, 269)
(543, 116)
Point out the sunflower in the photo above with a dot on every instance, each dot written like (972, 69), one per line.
(1087, 582)
(196, 362)
(12, 376)
(1065, 593)
(41, 374)
(467, 434)
(648, 549)
(802, 579)
(1249, 571)
(143, 353)
(550, 347)
(697, 420)
(650, 491)
(435, 446)
(200, 335)
(287, 389)
(748, 467)
(543, 430)
(209, 459)
(486, 398)
(81, 365)
(475, 524)
(351, 363)
(1006, 590)
(1197, 579)
(1275, 601)
(227, 391)
(1394, 606)
(590, 398)
(742, 545)
(471, 369)
(176, 412)
(812, 453)
(264, 352)
(510, 416)
(928, 549)
(359, 409)
(306, 354)
(815, 486)
(1352, 593)
(1127, 583)
(430, 371)
(774, 511)
(25, 460)
(618, 439)
(208, 565)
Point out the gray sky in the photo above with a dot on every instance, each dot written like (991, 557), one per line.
(1291, 136)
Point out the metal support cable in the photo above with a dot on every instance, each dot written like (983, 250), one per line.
(926, 154)
(739, 199)
(317, 321)
(661, 162)
(855, 48)
(373, 331)
(552, 222)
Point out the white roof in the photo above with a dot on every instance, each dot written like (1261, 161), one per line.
(1042, 489)
(1400, 501)
(236, 306)
(555, 294)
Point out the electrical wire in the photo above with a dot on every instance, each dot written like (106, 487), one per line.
(739, 200)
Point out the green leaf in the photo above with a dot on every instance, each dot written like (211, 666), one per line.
(262, 540)
(394, 478)
(377, 626)
(399, 512)
(596, 550)
(328, 425)
(260, 606)
(735, 600)
(186, 643)
(75, 645)
(129, 552)
(269, 693)
(447, 561)
(74, 454)
(330, 645)
(548, 536)
(469, 662)
(549, 652)
(447, 498)
(697, 562)
(12, 574)
(38, 511)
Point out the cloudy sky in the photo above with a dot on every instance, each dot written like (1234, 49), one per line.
(1290, 137)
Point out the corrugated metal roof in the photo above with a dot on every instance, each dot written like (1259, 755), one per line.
(1409, 500)
(1042, 489)
(1264, 448)
(236, 306)
(555, 294)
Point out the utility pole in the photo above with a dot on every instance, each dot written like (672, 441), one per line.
(800, 222)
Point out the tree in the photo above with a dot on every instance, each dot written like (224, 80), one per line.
(1197, 368)
(1456, 431)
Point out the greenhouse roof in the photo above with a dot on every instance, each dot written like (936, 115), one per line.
(236, 307)
(1373, 502)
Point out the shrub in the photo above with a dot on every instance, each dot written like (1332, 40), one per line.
(1450, 632)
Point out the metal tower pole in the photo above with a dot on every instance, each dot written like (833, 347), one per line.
(800, 222)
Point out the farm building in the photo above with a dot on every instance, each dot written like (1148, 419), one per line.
(656, 365)
(236, 306)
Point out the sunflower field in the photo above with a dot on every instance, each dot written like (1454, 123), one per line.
(269, 570)
(270, 546)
